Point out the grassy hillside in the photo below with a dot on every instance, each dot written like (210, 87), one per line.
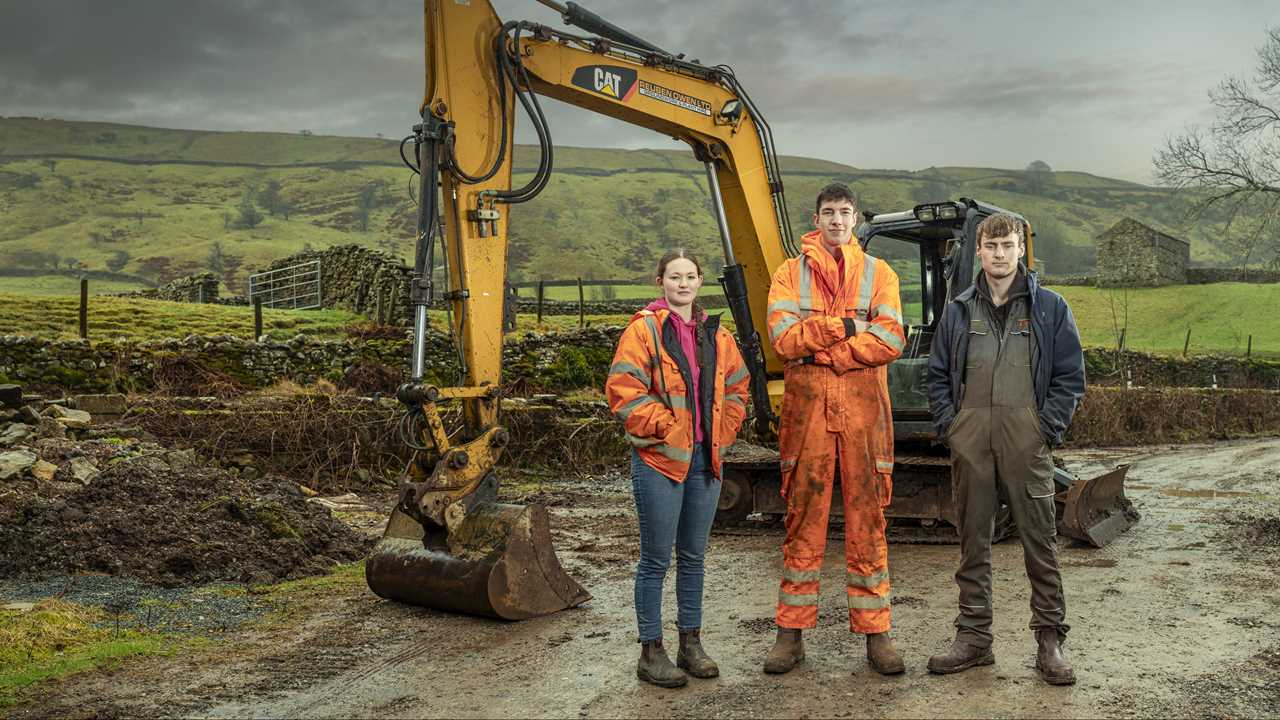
(155, 202)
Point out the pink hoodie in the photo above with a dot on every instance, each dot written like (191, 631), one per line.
(687, 333)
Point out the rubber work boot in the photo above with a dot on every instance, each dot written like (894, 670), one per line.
(655, 667)
(787, 652)
(962, 657)
(883, 656)
(1050, 660)
(692, 658)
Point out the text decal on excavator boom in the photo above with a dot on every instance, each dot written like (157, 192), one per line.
(611, 81)
(671, 97)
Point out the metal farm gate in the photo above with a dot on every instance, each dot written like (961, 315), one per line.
(296, 287)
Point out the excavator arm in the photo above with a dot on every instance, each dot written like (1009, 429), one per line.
(479, 69)
(449, 544)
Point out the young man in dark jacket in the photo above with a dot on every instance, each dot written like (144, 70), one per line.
(1006, 373)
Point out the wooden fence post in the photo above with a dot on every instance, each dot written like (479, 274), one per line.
(582, 315)
(84, 308)
(1249, 348)
(257, 319)
(1186, 343)
(541, 292)
(382, 320)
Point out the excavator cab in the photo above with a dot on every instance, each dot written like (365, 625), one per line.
(933, 248)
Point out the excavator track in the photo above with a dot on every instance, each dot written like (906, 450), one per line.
(1094, 511)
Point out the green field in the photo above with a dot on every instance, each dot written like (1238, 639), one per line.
(1221, 318)
(89, 194)
(60, 285)
(140, 319)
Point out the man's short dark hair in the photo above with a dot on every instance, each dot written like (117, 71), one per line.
(833, 193)
(1001, 225)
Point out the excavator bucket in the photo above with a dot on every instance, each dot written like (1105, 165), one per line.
(498, 562)
(1095, 511)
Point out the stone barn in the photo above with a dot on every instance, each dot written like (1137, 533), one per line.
(1135, 255)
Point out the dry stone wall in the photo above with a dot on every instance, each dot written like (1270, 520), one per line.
(1205, 276)
(354, 278)
(1068, 280)
(712, 303)
(534, 363)
(202, 288)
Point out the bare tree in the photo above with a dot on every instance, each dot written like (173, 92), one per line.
(1235, 162)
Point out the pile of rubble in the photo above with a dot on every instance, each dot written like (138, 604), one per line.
(80, 496)
(26, 421)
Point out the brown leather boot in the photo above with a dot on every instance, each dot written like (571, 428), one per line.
(787, 652)
(962, 657)
(882, 654)
(655, 667)
(692, 658)
(1050, 659)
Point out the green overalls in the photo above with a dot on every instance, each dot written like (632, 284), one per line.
(998, 453)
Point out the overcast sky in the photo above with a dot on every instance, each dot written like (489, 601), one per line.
(1092, 86)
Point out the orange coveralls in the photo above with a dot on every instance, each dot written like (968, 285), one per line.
(835, 415)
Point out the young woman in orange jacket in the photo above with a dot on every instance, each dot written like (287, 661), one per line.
(679, 386)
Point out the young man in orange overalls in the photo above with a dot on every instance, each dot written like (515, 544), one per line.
(836, 319)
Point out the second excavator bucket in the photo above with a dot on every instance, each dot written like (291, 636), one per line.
(1094, 511)
(498, 562)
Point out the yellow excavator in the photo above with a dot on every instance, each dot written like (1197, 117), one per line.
(449, 544)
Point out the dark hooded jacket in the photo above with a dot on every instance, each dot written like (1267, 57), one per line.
(1057, 363)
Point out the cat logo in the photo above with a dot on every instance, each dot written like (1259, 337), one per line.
(607, 82)
(611, 81)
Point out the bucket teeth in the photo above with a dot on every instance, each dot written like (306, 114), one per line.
(498, 562)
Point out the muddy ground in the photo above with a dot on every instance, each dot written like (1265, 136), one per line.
(1178, 617)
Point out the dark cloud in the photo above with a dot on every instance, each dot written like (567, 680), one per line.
(888, 71)
(225, 64)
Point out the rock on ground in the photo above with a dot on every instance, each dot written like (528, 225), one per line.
(16, 462)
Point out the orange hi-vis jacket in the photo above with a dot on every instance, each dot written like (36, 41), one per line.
(647, 390)
(813, 331)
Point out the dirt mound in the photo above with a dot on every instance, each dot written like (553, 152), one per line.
(1260, 531)
(157, 517)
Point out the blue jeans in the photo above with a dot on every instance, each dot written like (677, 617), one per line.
(679, 514)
